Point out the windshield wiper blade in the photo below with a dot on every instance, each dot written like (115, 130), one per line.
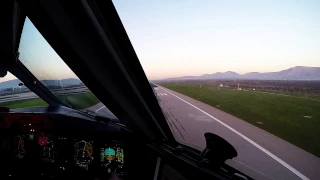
(105, 118)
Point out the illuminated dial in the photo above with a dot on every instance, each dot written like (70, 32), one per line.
(83, 154)
(109, 154)
(42, 141)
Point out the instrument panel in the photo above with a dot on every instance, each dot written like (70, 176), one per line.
(83, 154)
(112, 157)
(31, 139)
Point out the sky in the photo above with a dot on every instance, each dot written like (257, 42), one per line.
(195, 37)
(39, 57)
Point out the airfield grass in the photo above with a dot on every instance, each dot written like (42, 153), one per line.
(35, 102)
(79, 101)
(300, 95)
(82, 101)
(282, 116)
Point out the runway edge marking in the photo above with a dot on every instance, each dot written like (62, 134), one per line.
(293, 170)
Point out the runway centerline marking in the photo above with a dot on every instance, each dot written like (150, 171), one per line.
(100, 108)
(293, 170)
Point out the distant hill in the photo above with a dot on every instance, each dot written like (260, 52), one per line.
(294, 73)
(221, 75)
(14, 83)
(10, 84)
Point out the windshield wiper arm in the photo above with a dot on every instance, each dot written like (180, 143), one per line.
(105, 118)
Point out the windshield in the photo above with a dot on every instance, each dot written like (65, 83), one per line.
(46, 65)
(248, 71)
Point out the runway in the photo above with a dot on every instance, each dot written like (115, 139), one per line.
(261, 155)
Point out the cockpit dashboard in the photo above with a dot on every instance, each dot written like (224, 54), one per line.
(57, 146)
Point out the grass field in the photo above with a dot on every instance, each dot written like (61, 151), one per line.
(293, 119)
(77, 101)
(301, 95)
(24, 103)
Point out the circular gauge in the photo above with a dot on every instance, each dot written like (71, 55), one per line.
(83, 154)
(109, 154)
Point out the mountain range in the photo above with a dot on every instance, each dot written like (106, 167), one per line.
(294, 73)
(15, 82)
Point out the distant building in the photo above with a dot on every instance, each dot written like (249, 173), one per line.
(239, 88)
